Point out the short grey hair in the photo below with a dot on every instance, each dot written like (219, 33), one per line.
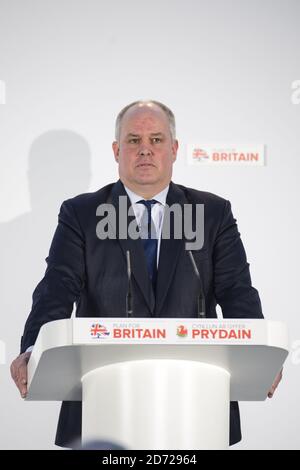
(166, 110)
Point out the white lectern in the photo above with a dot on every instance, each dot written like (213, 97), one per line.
(155, 383)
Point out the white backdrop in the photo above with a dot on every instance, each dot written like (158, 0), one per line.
(226, 68)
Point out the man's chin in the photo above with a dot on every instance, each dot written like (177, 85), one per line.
(147, 181)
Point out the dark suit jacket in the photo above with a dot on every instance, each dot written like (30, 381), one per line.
(92, 273)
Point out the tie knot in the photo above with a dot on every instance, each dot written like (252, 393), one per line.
(146, 224)
(148, 203)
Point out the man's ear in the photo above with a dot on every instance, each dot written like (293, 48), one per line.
(116, 150)
(175, 148)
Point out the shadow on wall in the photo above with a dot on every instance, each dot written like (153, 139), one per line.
(59, 167)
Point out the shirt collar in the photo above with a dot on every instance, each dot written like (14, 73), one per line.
(160, 197)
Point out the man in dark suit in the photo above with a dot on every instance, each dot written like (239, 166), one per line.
(92, 272)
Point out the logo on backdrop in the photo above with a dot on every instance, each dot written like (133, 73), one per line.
(214, 155)
(200, 154)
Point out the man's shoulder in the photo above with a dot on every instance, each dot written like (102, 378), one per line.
(202, 197)
(90, 200)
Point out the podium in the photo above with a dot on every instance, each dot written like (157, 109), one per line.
(156, 383)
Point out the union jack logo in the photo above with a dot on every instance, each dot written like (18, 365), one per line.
(200, 154)
(98, 330)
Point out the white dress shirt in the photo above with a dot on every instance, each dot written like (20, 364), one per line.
(157, 211)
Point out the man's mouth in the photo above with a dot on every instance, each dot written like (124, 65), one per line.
(145, 164)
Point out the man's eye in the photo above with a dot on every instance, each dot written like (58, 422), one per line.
(156, 140)
(133, 141)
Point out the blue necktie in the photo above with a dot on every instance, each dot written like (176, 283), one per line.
(149, 240)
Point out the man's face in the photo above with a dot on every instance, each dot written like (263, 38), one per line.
(145, 151)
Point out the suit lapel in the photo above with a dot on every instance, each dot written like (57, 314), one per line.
(135, 247)
(170, 250)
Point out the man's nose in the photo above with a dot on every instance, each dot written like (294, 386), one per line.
(144, 151)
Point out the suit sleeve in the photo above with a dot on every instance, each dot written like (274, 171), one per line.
(54, 296)
(232, 282)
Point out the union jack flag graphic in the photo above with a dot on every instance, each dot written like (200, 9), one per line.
(199, 154)
(97, 330)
